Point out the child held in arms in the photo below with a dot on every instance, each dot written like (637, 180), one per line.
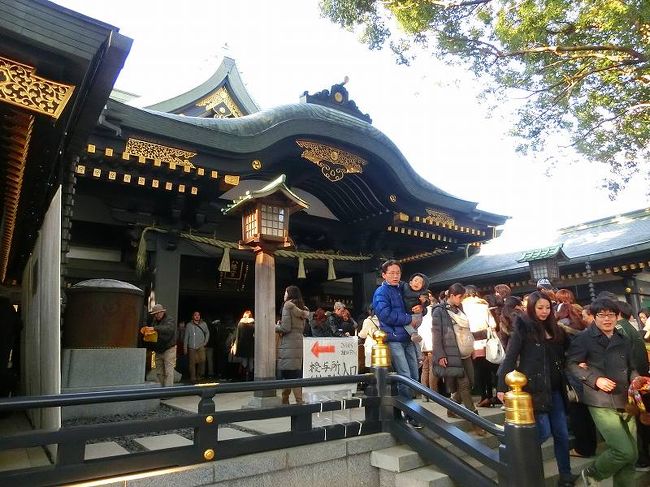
(414, 293)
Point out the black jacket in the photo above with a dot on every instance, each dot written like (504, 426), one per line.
(605, 357)
(534, 363)
(166, 329)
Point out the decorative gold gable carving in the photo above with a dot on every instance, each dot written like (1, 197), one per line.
(220, 97)
(440, 218)
(149, 150)
(20, 86)
(334, 163)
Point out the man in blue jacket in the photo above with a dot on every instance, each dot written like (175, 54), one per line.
(389, 306)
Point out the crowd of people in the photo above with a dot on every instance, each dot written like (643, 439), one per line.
(583, 364)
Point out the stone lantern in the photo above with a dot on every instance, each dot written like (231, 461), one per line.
(265, 227)
(544, 262)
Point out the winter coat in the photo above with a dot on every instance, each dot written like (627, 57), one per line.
(530, 357)
(290, 328)
(334, 325)
(605, 357)
(322, 328)
(349, 326)
(389, 307)
(412, 298)
(444, 342)
(370, 325)
(426, 332)
(639, 353)
(245, 338)
(480, 319)
(166, 329)
(196, 336)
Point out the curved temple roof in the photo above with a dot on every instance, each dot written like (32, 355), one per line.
(226, 74)
(258, 131)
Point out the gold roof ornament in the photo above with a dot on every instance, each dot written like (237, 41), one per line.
(20, 86)
(440, 218)
(334, 163)
(221, 103)
(150, 150)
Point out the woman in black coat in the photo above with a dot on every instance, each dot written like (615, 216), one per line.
(539, 345)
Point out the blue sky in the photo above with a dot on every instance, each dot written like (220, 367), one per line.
(429, 110)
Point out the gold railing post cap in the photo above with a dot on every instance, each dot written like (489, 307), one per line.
(516, 380)
(518, 403)
(379, 336)
(380, 356)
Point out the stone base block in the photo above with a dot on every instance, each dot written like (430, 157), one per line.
(91, 367)
(109, 408)
(263, 402)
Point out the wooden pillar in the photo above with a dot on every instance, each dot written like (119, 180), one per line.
(264, 317)
(168, 275)
(363, 288)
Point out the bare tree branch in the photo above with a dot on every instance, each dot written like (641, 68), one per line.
(639, 57)
(467, 3)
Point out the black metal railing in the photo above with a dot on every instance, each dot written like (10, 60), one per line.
(70, 465)
(517, 461)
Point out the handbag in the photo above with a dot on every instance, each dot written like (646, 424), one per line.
(448, 371)
(464, 340)
(150, 337)
(464, 337)
(571, 394)
(494, 352)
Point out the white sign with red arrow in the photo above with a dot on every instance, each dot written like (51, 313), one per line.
(329, 357)
(317, 349)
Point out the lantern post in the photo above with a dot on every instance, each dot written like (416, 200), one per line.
(544, 262)
(265, 227)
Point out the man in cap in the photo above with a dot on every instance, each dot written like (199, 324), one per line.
(164, 346)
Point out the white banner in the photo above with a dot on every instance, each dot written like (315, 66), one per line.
(330, 357)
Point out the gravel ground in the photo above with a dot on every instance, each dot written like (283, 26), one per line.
(128, 442)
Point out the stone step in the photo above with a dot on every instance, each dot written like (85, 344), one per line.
(430, 476)
(426, 476)
(396, 459)
(403, 467)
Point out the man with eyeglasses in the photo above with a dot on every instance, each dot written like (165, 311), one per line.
(601, 357)
(389, 306)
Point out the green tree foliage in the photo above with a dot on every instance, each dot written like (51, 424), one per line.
(580, 67)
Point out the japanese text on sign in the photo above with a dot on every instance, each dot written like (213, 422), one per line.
(329, 357)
